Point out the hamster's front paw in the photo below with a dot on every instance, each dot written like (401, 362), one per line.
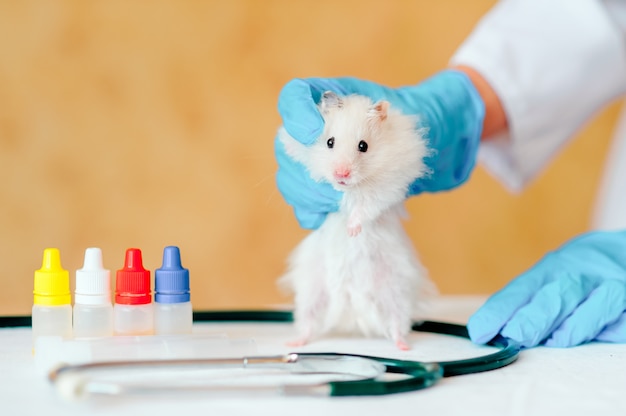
(354, 226)
(353, 231)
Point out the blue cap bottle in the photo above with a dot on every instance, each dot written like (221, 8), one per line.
(173, 311)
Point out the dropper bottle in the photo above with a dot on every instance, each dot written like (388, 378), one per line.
(133, 313)
(52, 309)
(93, 312)
(172, 309)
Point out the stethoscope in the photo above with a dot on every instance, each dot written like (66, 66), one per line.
(354, 375)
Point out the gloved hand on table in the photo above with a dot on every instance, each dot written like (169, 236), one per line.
(448, 105)
(573, 295)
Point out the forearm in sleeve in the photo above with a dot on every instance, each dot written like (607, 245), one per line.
(552, 64)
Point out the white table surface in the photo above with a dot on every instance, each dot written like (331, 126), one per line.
(586, 380)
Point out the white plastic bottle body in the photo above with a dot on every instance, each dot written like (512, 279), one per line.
(93, 321)
(173, 318)
(52, 321)
(133, 319)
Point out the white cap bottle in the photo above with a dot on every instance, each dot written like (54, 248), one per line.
(93, 311)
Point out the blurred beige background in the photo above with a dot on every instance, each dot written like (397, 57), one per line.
(151, 123)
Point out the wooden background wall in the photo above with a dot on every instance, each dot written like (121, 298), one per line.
(151, 123)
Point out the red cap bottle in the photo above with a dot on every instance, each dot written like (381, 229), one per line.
(132, 283)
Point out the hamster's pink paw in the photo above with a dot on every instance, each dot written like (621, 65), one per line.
(354, 223)
(354, 230)
(402, 345)
(300, 342)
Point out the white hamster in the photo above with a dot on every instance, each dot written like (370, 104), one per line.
(359, 273)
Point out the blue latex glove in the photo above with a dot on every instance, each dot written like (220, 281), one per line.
(573, 295)
(448, 106)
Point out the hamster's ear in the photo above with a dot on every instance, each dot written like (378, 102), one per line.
(330, 100)
(380, 110)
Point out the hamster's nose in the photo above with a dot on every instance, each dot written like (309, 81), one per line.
(342, 172)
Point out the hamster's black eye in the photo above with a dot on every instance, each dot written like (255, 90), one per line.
(362, 146)
(330, 142)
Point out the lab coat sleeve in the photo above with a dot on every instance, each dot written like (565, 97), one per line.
(553, 63)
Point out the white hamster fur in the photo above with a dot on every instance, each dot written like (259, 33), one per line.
(359, 273)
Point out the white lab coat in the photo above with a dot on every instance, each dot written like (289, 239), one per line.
(553, 63)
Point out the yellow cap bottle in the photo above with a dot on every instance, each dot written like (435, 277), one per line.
(52, 309)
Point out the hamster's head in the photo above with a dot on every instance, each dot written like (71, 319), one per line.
(362, 144)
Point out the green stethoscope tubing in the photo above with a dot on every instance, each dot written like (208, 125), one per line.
(420, 375)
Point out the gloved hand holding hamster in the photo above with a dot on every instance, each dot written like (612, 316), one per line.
(450, 114)
(349, 153)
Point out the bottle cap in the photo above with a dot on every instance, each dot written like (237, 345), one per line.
(132, 283)
(93, 282)
(52, 282)
(171, 281)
